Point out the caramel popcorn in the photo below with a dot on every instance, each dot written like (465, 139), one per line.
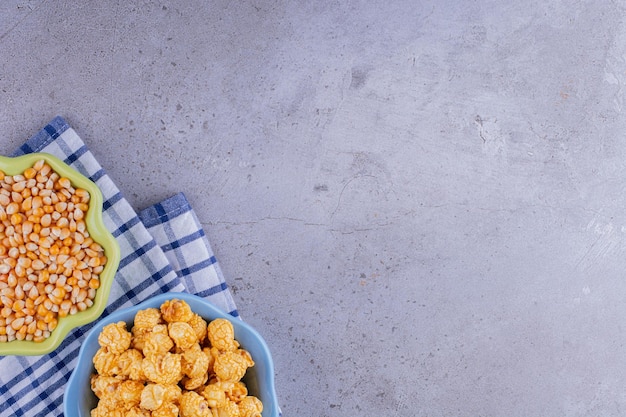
(199, 326)
(214, 395)
(173, 393)
(157, 341)
(182, 334)
(106, 363)
(193, 404)
(232, 366)
(250, 407)
(222, 335)
(167, 410)
(138, 339)
(129, 364)
(147, 319)
(115, 337)
(107, 390)
(195, 362)
(237, 392)
(152, 396)
(130, 393)
(104, 386)
(163, 368)
(136, 412)
(102, 411)
(176, 310)
(172, 363)
(229, 409)
(194, 383)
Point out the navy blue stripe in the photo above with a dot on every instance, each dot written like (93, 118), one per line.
(161, 212)
(53, 130)
(26, 149)
(125, 227)
(50, 358)
(165, 210)
(137, 253)
(73, 157)
(10, 400)
(97, 175)
(197, 267)
(132, 295)
(183, 241)
(57, 401)
(109, 202)
(213, 290)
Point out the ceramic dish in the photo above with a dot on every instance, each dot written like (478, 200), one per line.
(79, 400)
(98, 232)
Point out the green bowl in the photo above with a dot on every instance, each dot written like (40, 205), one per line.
(97, 231)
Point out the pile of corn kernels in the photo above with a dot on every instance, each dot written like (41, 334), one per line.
(171, 363)
(49, 265)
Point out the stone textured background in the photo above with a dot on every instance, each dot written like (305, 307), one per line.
(419, 205)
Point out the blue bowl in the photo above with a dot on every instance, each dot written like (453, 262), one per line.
(79, 400)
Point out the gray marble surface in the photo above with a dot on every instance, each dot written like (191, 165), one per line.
(419, 205)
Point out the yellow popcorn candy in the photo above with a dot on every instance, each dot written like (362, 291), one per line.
(172, 393)
(130, 393)
(107, 390)
(166, 410)
(162, 369)
(147, 319)
(129, 364)
(221, 335)
(104, 386)
(250, 406)
(199, 326)
(234, 391)
(195, 362)
(237, 392)
(192, 384)
(138, 338)
(182, 334)
(106, 363)
(232, 366)
(115, 337)
(152, 396)
(157, 341)
(102, 411)
(214, 395)
(212, 353)
(193, 404)
(176, 310)
(137, 412)
(230, 409)
(99, 411)
(161, 366)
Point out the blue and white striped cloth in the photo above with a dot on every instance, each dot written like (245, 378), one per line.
(163, 249)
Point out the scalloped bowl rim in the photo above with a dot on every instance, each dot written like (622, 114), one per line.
(96, 229)
(78, 398)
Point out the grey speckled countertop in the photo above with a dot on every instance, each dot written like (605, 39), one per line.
(420, 205)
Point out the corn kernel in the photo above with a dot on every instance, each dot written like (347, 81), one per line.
(64, 182)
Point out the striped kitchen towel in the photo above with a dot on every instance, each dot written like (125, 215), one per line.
(163, 249)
